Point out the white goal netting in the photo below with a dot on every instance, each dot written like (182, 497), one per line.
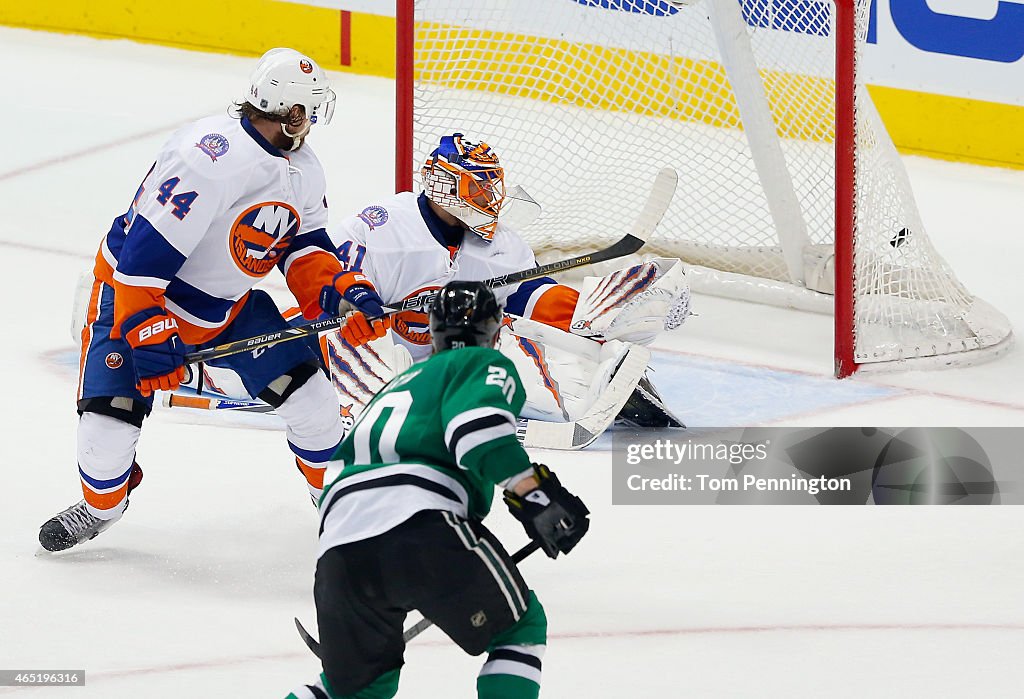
(584, 100)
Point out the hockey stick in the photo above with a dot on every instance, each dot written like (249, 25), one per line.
(535, 434)
(417, 628)
(177, 400)
(650, 215)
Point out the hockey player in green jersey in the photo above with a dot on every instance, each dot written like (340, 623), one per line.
(400, 520)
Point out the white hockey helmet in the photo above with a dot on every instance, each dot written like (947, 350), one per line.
(466, 180)
(283, 78)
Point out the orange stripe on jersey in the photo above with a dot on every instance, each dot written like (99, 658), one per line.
(129, 300)
(555, 306)
(307, 275)
(313, 475)
(94, 312)
(102, 269)
(104, 501)
(197, 335)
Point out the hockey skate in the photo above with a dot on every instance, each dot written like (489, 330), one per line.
(76, 524)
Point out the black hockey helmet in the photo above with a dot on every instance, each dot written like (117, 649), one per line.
(464, 314)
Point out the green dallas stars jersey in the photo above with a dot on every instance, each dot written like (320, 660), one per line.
(440, 436)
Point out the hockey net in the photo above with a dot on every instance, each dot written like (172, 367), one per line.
(584, 100)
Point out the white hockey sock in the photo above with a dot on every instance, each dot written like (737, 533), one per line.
(314, 428)
(106, 452)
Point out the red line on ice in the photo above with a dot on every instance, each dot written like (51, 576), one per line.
(93, 676)
(92, 150)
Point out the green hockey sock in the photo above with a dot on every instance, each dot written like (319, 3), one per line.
(512, 670)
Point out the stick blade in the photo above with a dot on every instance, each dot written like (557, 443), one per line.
(657, 203)
(535, 434)
(307, 638)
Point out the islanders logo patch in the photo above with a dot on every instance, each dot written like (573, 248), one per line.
(305, 66)
(414, 326)
(214, 145)
(374, 216)
(260, 235)
(114, 360)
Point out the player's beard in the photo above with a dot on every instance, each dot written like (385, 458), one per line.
(294, 141)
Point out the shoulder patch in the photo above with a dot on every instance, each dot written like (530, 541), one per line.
(214, 145)
(374, 216)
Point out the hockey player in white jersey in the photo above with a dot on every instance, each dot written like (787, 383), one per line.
(228, 199)
(565, 343)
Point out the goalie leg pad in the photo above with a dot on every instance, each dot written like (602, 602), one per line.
(634, 304)
(84, 294)
(563, 373)
(359, 373)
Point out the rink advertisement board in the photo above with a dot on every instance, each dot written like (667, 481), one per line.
(819, 466)
(946, 75)
(963, 48)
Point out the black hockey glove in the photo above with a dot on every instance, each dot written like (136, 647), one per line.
(552, 516)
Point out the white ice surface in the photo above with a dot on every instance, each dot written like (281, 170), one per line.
(193, 592)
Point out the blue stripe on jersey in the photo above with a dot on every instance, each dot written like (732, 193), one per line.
(260, 140)
(146, 253)
(317, 238)
(197, 302)
(97, 484)
(517, 302)
(446, 235)
(115, 236)
(313, 455)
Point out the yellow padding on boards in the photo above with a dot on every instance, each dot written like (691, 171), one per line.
(247, 27)
(604, 78)
(952, 128)
(373, 45)
(615, 79)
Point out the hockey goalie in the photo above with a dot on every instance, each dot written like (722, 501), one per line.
(576, 350)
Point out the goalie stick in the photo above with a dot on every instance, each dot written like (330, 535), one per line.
(650, 215)
(417, 628)
(535, 434)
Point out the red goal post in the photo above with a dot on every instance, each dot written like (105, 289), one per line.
(791, 191)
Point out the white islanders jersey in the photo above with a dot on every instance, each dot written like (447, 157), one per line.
(392, 245)
(219, 209)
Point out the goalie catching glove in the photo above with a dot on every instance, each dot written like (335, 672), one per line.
(634, 304)
(551, 515)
